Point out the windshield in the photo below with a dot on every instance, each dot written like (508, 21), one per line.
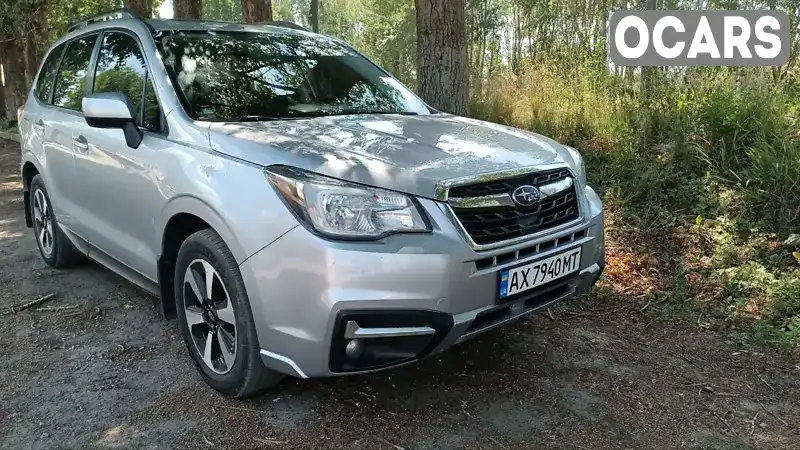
(239, 76)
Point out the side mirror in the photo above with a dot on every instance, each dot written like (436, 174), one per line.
(112, 110)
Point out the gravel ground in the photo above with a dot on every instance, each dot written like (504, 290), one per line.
(110, 372)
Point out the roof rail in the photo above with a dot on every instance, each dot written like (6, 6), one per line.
(122, 13)
(284, 24)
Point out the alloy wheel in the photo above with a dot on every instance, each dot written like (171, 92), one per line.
(43, 222)
(210, 316)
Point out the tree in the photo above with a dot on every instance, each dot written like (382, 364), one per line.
(143, 7)
(314, 16)
(254, 11)
(389, 36)
(442, 57)
(230, 10)
(187, 9)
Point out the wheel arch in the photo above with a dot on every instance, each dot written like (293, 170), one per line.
(29, 170)
(182, 217)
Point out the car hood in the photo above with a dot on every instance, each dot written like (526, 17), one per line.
(410, 154)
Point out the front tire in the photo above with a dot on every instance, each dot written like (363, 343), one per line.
(215, 318)
(54, 246)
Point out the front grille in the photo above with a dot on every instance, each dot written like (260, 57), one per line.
(487, 225)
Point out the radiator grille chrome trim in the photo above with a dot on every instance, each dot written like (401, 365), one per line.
(497, 200)
(443, 190)
(486, 201)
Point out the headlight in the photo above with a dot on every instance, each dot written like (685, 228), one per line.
(578, 160)
(342, 210)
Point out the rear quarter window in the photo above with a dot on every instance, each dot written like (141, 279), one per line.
(47, 76)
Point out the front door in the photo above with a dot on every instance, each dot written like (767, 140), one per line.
(118, 184)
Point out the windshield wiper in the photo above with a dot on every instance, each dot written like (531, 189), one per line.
(256, 118)
(347, 112)
(368, 111)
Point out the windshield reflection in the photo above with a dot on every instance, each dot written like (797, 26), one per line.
(250, 76)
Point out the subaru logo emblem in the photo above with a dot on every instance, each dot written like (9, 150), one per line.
(525, 195)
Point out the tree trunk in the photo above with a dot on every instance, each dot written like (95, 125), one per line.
(33, 52)
(442, 62)
(254, 11)
(14, 73)
(187, 9)
(314, 16)
(143, 7)
(3, 114)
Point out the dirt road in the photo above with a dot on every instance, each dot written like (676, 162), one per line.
(109, 372)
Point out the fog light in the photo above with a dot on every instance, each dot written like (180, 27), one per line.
(354, 348)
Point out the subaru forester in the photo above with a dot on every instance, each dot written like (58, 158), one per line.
(297, 208)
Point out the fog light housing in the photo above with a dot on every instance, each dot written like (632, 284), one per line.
(374, 339)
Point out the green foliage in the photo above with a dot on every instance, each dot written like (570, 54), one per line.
(64, 13)
(390, 37)
(228, 10)
(701, 143)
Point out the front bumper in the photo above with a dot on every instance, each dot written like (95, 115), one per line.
(302, 288)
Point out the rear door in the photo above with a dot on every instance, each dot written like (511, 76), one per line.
(62, 125)
(36, 125)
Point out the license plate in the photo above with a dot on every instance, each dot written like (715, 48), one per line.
(523, 278)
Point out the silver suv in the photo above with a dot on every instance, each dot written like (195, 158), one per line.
(297, 208)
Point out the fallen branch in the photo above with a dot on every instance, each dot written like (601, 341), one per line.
(721, 394)
(369, 396)
(397, 447)
(786, 424)
(270, 441)
(725, 422)
(765, 382)
(497, 442)
(753, 424)
(57, 308)
(31, 303)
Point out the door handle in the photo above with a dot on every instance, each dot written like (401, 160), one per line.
(80, 143)
(38, 126)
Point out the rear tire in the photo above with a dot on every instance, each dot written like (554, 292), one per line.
(216, 320)
(54, 246)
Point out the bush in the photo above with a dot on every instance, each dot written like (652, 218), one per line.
(705, 143)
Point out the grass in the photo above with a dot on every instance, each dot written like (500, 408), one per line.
(699, 176)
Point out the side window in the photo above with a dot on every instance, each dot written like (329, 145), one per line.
(152, 112)
(121, 68)
(47, 76)
(71, 79)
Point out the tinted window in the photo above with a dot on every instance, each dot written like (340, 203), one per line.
(233, 75)
(71, 79)
(121, 68)
(44, 84)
